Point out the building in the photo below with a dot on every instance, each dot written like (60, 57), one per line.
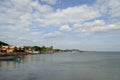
(29, 50)
(10, 49)
(4, 48)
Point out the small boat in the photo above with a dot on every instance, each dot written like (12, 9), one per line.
(11, 58)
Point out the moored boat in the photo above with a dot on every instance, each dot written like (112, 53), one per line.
(10, 58)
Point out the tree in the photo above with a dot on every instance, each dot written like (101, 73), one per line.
(15, 49)
(57, 50)
(3, 43)
(43, 48)
(51, 47)
(36, 48)
(26, 47)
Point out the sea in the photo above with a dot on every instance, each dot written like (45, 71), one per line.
(63, 66)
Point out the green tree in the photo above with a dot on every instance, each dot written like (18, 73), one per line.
(51, 47)
(43, 48)
(36, 48)
(15, 49)
(3, 43)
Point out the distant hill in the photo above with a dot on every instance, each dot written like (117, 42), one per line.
(3, 43)
(72, 50)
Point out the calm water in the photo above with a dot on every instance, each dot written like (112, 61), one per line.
(64, 66)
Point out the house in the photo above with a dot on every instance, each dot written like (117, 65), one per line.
(10, 49)
(29, 50)
(35, 52)
(4, 48)
(7, 49)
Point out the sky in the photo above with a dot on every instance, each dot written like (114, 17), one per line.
(91, 25)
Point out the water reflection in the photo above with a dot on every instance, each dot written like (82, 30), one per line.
(13, 63)
(68, 66)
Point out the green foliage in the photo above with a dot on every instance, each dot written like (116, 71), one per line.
(51, 47)
(43, 48)
(3, 43)
(56, 50)
(15, 49)
(27, 47)
(36, 48)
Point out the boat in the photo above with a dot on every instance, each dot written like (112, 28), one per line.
(10, 58)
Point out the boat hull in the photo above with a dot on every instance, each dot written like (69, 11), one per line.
(10, 58)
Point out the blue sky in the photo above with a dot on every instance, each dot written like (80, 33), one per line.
(91, 25)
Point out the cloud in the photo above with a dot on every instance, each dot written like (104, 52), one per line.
(41, 8)
(52, 2)
(25, 20)
(95, 26)
(19, 15)
(36, 22)
(70, 15)
(104, 28)
(111, 8)
(50, 35)
(34, 33)
(43, 15)
(65, 28)
(114, 6)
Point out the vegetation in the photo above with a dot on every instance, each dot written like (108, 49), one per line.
(72, 50)
(38, 49)
(57, 50)
(3, 43)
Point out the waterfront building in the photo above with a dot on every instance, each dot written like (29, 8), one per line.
(10, 49)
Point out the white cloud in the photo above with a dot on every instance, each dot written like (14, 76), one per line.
(71, 15)
(41, 8)
(52, 2)
(20, 14)
(55, 34)
(20, 4)
(65, 28)
(95, 26)
(44, 14)
(104, 28)
(34, 40)
(95, 23)
(111, 8)
(114, 6)
(25, 20)
(18, 18)
(34, 33)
